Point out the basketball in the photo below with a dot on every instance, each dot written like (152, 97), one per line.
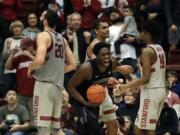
(96, 93)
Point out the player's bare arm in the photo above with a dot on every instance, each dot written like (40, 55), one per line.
(90, 49)
(69, 58)
(77, 79)
(124, 69)
(83, 73)
(147, 59)
(43, 43)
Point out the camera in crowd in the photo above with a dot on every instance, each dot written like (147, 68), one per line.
(8, 123)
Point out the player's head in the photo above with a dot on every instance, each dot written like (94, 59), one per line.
(101, 28)
(50, 18)
(128, 11)
(151, 32)
(102, 52)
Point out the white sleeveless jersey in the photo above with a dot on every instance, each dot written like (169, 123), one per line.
(157, 78)
(53, 69)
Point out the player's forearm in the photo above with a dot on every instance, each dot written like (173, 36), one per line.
(69, 68)
(135, 84)
(35, 64)
(75, 94)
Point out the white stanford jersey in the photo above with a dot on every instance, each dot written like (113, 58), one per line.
(158, 69)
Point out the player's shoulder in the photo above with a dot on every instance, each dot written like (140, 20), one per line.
(148, 50)
(94, 42)
(85, 66)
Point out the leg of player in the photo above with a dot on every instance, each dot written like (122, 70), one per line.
(138, 131)
(57, 132)
(112, 127)
(150, 132)
(43, 131)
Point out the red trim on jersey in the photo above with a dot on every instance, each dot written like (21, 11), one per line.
(153, 121)
(51, 46)
(109, 111)
(48, 118)
(155, 53)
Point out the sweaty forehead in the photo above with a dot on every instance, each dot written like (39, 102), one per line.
(103, 24)
(104, 50)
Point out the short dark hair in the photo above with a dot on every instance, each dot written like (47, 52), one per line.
(11, 89)
(172, 72)
(154, 29)
(52, 18)
(98, 22)
(99, 46)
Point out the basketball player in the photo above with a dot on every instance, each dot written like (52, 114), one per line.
(95, 71)
(48, 70)
(101, 29)
(153, 93)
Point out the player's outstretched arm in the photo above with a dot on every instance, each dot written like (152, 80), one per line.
(146, 60)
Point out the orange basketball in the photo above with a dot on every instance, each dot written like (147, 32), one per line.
(96, 93)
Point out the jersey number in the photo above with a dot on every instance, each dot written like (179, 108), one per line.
(59, 50)
(162, 60)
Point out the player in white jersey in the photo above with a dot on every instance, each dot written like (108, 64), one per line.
(152, 82)
(52, 55)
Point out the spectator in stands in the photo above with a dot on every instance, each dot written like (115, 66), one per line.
(168, 122)
(173, 83)
(125, 125)
(12, 43)
(127, 52)
(65, 6)
(20, 62)
(120, 4)
(77, 39)
(107, 7)
(9, 9)
(33, 29)
(129, 107)
(89, 9)
(101, 29)
(69, 28)
(114, 29)
(172, 11)
(14, 117)
(68, 116)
